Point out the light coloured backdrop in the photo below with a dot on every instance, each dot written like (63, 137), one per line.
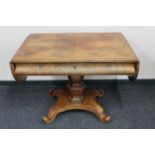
(141, 39)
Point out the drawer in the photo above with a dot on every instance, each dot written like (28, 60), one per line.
(75, 68)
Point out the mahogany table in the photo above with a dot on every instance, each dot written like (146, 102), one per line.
(75, 55)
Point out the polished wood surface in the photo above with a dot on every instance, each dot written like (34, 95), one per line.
(75, 55)
(76, 97)
(76, 68)
(75, 47)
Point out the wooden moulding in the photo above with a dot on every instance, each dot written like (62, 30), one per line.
(76, 69)
(17, 77)
(134, 76)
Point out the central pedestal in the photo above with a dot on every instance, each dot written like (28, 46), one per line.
(76, 96)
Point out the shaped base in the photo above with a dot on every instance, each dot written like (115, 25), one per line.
(76, 97)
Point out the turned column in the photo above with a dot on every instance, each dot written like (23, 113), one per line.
(76, 89)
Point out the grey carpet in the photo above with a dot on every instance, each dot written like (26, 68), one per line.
(130, 104)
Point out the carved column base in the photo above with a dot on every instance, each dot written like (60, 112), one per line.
(76, 97)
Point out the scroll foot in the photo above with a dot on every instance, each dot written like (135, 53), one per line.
(63, 104)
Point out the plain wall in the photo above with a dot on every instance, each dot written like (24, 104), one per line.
(141, 39)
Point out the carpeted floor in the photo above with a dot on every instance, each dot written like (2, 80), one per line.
(130, 104)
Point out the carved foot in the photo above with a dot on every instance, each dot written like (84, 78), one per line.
(58, 107)
(94, 107)
(47, 120)
(54, 111)
(63, 104)
(99, 112)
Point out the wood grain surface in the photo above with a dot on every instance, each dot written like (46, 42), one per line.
(75, 96)
(74, 47)
(75, 55)
(76, 68)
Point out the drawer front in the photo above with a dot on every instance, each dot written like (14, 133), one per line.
(75, 68)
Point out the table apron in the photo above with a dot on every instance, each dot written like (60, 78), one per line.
(75, 68)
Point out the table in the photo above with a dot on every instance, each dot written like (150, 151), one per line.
(75, 55)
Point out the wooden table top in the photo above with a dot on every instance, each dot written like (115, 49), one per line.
(74, 47)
